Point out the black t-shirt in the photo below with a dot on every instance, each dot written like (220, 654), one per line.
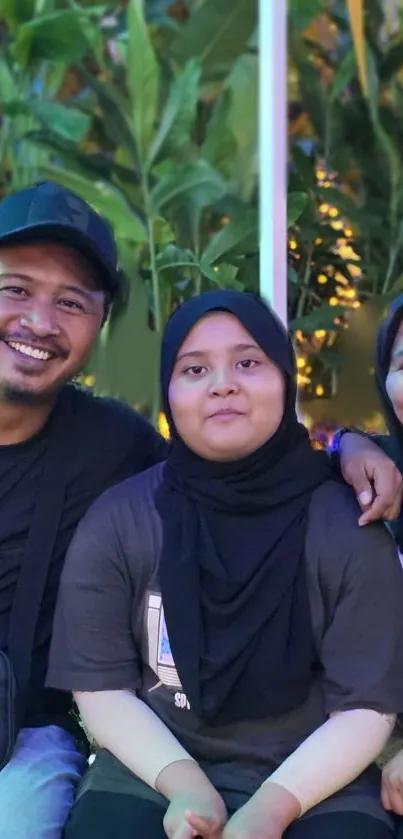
(109, 442)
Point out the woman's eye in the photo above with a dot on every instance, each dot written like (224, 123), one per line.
(247, 363)
(195, 370)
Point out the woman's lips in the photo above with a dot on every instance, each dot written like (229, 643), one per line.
(225, 414)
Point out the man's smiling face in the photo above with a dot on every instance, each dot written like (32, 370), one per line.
(51, 311)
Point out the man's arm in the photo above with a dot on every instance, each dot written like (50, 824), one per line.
(374, 476)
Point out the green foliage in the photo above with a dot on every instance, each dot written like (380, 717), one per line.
(159, 134)
(357, 146)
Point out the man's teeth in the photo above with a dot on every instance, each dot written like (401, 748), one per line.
(25, 349)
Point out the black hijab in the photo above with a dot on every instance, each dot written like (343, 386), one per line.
(386, 337)
(232, 564)
(392, 445)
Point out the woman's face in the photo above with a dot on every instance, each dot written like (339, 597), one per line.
(394, 379)
(226, 397)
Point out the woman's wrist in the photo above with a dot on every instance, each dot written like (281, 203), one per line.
(181, 778)
(282, 807)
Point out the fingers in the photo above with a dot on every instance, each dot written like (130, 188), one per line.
(183, 831)
(388, 485)
(208, 828)
(377, 511)
(362, 488)
(382, 508)
(392, 793)
(385, 797)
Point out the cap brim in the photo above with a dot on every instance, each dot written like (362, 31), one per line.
(110, 277)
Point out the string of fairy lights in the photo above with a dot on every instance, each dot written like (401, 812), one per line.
(334, 284)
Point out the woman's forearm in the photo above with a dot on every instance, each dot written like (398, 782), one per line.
(123, 724)
(333, 756)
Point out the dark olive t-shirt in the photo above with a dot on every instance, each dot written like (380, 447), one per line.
(110, 632)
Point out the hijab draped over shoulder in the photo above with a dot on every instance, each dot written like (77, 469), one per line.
(232, 567)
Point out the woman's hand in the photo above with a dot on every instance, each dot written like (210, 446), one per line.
(392, 784)
(195, 814)
(266, 816)
(192, 797)
(377, 482)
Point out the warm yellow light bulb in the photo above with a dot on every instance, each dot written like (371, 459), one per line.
(163, 426)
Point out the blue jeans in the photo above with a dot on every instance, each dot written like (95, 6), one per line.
(37, 787)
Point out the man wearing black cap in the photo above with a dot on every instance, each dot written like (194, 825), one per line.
(60, 447)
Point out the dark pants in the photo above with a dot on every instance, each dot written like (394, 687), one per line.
(399, 829)
(105, 815)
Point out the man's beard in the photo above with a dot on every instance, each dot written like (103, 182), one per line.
(30, 398)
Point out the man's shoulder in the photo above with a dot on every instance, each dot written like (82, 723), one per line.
(108, 420)
(110, 439)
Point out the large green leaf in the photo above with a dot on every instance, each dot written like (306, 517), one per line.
(219, 146)
(296, 203)
(243, 117)
(223, 275)
(321, 318)
(173, 257)
(344, 76)
(69, 123)
(107, 200)
(91, 165)
(143, 77)
(231, 236)
(179, 113)
(130, 340)
(116, 113)
(302, 12)
(392, 62)
(60, 37)
(15, 12)
(216, 33)
(8, 84)
(196, 183)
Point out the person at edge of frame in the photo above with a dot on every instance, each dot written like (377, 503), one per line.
(58, 277)
(373, 466)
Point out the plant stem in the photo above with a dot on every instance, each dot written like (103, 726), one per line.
(305, 283)
(393, 254)
(155, 288)
(196, 247)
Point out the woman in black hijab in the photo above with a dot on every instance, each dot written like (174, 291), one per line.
(360, 456)
(216, 618)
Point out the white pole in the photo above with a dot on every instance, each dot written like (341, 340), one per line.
(273, 153)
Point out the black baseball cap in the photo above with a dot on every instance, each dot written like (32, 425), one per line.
(48, 211)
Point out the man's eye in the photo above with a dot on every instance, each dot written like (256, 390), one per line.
(14, 290)
(72, 305)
